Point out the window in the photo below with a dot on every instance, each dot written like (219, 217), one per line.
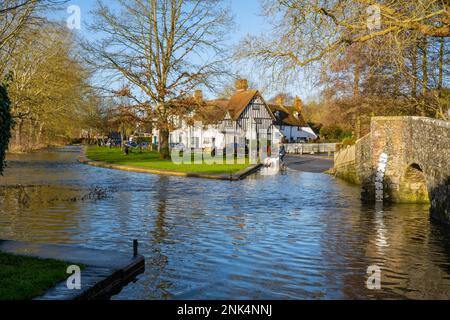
(256, 107)
(281, 127)
(258, 121)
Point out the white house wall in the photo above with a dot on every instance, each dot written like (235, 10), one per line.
(195, 137)
(295, 133)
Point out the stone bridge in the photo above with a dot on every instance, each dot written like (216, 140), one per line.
(402, 159)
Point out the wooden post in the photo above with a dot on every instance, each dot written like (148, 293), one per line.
(135, 247)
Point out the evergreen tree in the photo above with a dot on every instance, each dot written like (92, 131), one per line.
(5, 125)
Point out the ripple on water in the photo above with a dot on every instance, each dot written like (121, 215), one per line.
(293, 236)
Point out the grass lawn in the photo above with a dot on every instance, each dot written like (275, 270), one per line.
(22, 278)
(150, 159)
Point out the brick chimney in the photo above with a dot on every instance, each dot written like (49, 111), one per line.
(198, 95)
(298, 104)
(280, 100)
(241, 84)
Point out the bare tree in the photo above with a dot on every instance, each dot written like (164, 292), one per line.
(163, 48)
(307, 31)
(367, 57)
(15, 16)
(47, 86)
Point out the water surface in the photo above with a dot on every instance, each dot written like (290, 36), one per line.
(293, 236)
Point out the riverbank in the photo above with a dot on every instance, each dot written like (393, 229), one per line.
(23, 278)
(149, 162)
(41, 272)
(15, 149)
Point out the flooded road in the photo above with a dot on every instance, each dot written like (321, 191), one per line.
(309, 163)
(293, 236)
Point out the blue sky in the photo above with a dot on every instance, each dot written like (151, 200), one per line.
(246, 13)
(247, 20)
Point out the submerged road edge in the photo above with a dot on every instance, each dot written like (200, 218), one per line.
(105, 275)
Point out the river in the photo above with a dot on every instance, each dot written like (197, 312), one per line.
(290, 236)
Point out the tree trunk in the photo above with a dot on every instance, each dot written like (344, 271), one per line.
(358, 126)
(19, 133)
(41, 129)
(414, 71)
(122, 137)
(441, 63)
(356, 79)
(425, 67)
(164, 144)
(30, 141)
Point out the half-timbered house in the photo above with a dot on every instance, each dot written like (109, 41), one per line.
(290, 121)
(244, 119)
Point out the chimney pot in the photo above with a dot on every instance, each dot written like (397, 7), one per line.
(298, 104)
(198, 95)
(280, 100)
(241, 84)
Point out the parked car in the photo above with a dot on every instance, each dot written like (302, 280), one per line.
(131, 144)
(177, 146)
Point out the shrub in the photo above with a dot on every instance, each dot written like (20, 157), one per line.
(140, 140)
(334, 133)
(345, 134)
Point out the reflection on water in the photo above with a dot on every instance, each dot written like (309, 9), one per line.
(293, 236)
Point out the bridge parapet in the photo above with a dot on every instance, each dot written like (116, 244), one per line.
(404, 159)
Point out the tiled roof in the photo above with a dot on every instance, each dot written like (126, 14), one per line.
(239, 101)
(289, 116)
(212, 112)
(215, 110)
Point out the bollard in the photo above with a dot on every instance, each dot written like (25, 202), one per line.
(135, 247)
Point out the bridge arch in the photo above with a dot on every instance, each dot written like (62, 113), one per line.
(413, 187)
(417, 167)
